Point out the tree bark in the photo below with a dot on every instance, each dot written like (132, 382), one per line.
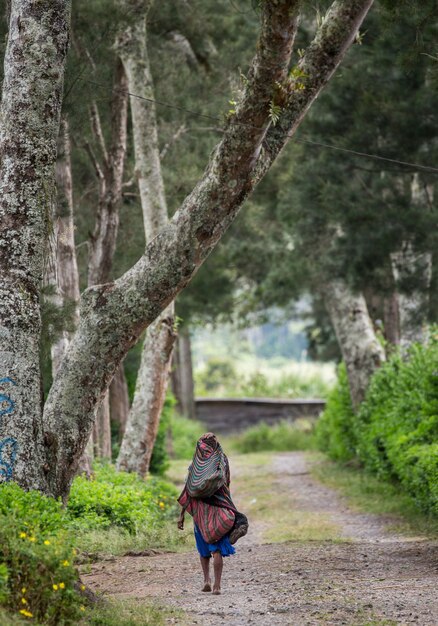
(30, 113)
(153, 374)
(103, 240)
(114, 315)
(360, 348)
(188, 407)
(412, 272)
(66, 266)
(119, 401)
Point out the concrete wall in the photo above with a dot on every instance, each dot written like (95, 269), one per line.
(227, 415)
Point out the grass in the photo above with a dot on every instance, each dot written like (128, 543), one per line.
(281, 437)
(130, 613)
(369, 494)
(115, 541)
(270, 505)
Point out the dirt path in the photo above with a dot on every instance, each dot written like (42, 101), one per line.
(362, 574)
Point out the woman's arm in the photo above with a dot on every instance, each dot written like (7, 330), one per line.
(181, 519)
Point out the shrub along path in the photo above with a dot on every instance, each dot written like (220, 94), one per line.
(308, 560)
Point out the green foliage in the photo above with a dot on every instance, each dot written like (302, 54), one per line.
(37, 576)
(219, 379)
(395, 432)
(185, 434)
(119, 499)
(160, 457)
(281, 437)
(334, 430)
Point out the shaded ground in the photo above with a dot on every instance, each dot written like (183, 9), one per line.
(328, 565)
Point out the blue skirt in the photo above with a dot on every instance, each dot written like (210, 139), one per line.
(205, 549)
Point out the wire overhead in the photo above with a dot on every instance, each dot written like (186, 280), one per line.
(358, 153)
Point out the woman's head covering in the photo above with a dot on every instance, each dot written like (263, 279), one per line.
(208, 439)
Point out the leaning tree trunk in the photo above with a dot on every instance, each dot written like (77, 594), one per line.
(102, 243)
(30, 113)
(360, 348)
(153, 374)
(114, 315)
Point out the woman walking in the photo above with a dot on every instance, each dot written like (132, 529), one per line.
(206, 497)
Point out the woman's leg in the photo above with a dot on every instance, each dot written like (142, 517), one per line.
(218, 564)
(205, 564)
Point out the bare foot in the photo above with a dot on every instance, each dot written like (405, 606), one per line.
(207, 586)
(216, 591)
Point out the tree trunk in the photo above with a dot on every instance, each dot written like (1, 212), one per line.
(153, 374)
(66, 275)
(114, 315)
(360, 348)
(104, 238)
(188, 407)
(66, 266)
(391, 321)
(119, 401)
(30, 112)
(144, 417)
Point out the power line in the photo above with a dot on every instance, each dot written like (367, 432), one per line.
(375, 157)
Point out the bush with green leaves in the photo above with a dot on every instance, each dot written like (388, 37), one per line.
(185, 434)
(281, 437)
(395, 432)
(335, 428)
(119, 499)
(37, 576)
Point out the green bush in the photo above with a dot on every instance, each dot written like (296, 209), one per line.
(119, 499)
(335, 428)
(395, 432)
(185, 433)
(37, 576)
(280, 437)
(160, 457)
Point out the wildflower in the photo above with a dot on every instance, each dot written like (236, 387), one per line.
(66, 563)
(23, 601)
(33, 539)
(61, 585)
(46, 542)
(82, 587)
(26, 613)
(74, 551)
(23, 535)
(23, 590)
(55, 587)
(82, 608)
(162, 505)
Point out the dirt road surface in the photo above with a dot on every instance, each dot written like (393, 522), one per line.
(357, 572)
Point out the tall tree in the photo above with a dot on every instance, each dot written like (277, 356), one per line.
(114, 315)
(153, 375)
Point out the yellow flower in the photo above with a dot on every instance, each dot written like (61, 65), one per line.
(26, 613)
(74, 551)
(46, 542)
(32, 539)
(23, 535)
(82, 587)
(162, 505)
(82, 608)
(66, 563)
(61, 585)
(23, 601)
(23, 590)
(55, 587)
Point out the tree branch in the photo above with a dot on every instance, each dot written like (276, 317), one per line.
(114, 315)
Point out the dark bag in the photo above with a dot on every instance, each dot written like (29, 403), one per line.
(240, 527)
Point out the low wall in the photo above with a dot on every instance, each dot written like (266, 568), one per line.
(225, 415)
